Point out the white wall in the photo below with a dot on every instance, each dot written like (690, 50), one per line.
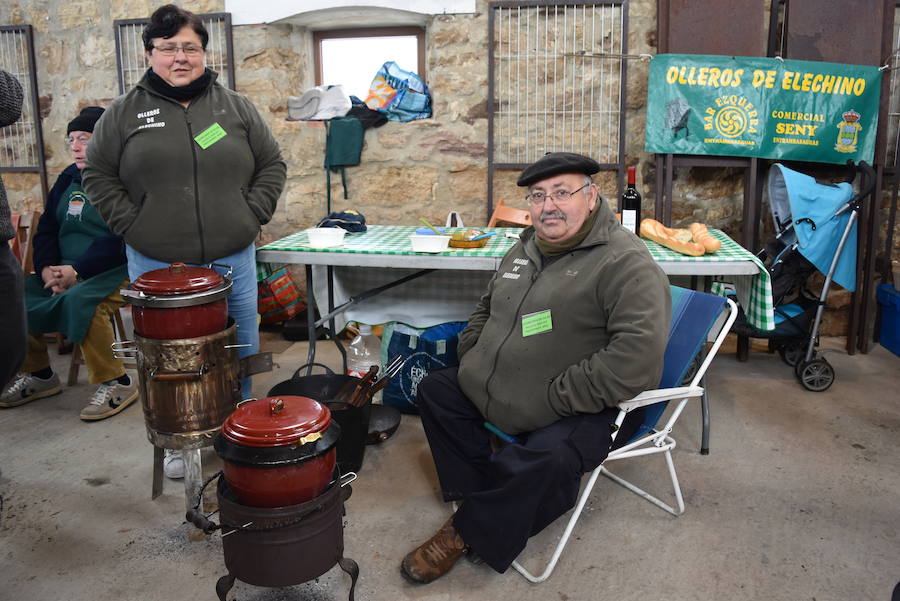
(246, 12)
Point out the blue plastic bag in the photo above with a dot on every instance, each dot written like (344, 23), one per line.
(424, 350)
(401, 95)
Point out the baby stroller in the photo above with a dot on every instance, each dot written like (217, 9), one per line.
(815, 230)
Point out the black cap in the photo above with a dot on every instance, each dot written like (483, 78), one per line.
(554, 163)
(85, 120)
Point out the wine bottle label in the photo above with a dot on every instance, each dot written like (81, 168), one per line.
(629, 220)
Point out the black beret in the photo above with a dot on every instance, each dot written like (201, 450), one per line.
(554, 163)
(85, 120)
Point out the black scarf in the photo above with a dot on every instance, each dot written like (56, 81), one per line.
(179, 93)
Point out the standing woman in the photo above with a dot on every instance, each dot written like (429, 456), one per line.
(185, 169)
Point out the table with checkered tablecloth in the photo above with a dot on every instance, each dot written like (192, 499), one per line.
(383, 253)
(731, 264)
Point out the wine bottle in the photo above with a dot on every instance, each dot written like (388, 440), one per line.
(630, 205)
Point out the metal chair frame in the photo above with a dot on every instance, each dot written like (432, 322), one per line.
(656, 441)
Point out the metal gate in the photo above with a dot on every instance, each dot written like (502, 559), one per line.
(21, 147)
(556, 82)
(132, 63)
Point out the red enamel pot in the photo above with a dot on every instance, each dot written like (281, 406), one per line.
(179, 301)
(278, 451)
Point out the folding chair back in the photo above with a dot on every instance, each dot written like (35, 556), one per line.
(693, 315)
(506, 214)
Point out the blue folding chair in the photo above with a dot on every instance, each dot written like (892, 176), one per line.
(693, 316)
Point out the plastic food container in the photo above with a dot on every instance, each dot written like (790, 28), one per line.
(426, 231)
(326, 237)
(429, 244)
(464, 239)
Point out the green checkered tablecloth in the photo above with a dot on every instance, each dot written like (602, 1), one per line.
(394, 240)
(753, 292)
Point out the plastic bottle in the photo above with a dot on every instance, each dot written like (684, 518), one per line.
(364, 352)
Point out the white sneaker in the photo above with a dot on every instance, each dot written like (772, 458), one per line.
(110, 399)
(26, 387)
(173, 465)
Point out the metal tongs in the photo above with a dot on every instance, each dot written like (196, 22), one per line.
(358, 398)
(390, 371)
(356, 393)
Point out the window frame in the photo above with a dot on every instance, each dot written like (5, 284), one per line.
(369, 32)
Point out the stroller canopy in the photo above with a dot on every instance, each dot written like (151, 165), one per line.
(800, 203)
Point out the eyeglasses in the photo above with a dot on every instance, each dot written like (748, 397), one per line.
(172, 49)
(80, 139)
(538, 198)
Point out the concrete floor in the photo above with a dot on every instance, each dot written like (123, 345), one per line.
(799, 499)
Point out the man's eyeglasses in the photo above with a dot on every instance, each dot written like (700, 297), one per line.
(538, 198)
(80, 139)
(172, 49)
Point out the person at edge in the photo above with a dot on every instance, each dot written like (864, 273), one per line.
(79, 269)
(187, 170)
(12, 302)
(574, 321)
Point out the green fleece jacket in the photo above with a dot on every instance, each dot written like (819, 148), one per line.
(156, 179)
(609, 309)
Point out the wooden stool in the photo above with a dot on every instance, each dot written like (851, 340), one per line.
(78, 356)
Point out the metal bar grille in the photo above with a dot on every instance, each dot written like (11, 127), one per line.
(892, 129)
(546, 97)
(132, 63)
(18, 142)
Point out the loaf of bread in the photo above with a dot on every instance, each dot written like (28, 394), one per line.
(702, 236)
(679, 240)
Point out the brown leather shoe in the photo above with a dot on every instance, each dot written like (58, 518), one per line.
(434, 557)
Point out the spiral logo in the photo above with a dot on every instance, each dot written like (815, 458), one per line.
(731, 121)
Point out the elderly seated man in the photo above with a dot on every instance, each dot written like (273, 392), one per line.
(80, 267)
(574, 321)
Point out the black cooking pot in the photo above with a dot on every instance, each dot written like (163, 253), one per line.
(354, 421)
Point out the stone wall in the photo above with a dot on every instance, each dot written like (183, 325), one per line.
(422, 168)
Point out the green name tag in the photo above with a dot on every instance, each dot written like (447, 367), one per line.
(210, 136)
(535, 323)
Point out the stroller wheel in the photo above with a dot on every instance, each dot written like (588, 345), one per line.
(791, 354)
(815, 375)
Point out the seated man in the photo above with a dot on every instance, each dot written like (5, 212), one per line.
(574, 321)
(80, 267)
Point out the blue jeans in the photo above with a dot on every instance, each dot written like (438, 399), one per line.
(241, 302)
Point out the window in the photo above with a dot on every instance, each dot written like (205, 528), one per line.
(352, 57)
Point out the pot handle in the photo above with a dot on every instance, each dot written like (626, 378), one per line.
(124, 349)
(178, 376)
(228, 267)
(347, 478)
(302, 367)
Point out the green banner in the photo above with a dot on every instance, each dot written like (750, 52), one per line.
(762, 107)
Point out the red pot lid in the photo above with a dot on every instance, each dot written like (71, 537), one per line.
(277, 421)
(178, 278)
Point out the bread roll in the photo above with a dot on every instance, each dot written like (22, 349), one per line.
(678, 240)
(702, 236)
